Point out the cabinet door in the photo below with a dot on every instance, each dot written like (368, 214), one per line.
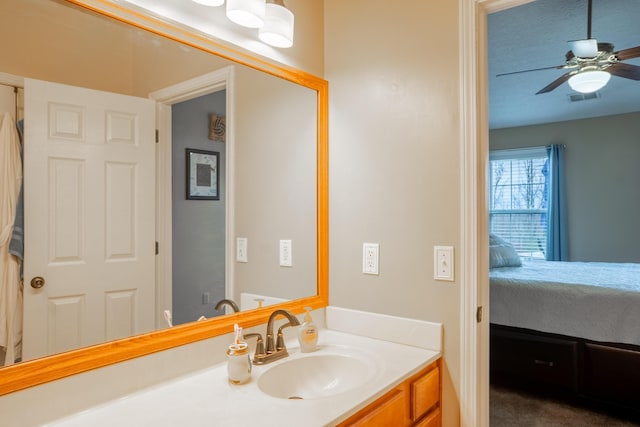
(389, 412)
(425, 394)
(434, 419)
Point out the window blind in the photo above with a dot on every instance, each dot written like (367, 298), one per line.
(519, 199)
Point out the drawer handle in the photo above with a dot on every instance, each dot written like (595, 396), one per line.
(543, 362)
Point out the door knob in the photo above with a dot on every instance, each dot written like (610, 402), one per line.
(37, 282)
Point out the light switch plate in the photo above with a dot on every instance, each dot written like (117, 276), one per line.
(286, 256)
(370, 258)
(241, 249)
(443, 263)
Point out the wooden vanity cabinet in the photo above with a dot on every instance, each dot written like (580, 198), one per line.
(414, 402)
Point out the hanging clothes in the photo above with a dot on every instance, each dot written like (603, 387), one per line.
(10, 284)
(16, 245)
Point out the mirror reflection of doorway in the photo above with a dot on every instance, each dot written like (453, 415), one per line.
(198, 226)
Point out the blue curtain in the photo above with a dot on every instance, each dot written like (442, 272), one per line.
(557, 242)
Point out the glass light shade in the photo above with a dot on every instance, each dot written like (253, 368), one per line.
(248, 13)
(585, 48)
(210, 2)
(589, 81)
(278, 26)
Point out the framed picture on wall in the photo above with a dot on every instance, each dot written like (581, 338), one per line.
(202, 174)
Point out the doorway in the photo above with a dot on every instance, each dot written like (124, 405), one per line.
(219, 82)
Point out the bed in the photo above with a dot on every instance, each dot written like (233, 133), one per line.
(569, 329)
(591, 300)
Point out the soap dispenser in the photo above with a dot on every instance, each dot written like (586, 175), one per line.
(308, 333)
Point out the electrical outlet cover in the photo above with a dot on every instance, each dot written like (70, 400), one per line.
(370, 258)
(241, 249)
(443, 263)
(286, 256)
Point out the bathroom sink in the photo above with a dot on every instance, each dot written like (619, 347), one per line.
(316, 376)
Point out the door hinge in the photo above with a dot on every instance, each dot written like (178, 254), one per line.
(157, 248)
(157, 136)
(479, 314)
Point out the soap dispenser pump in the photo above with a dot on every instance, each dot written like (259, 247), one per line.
(308, 334)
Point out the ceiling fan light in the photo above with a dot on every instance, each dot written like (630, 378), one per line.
(277, 30)
(248, 13)
(589, 81)
(587, 48)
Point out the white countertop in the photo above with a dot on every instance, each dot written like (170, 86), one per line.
(205, 397)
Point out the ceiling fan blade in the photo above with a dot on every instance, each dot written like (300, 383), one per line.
(632, 52)
(627, 71)
(584, 48)
(555, 67)
(554, 84)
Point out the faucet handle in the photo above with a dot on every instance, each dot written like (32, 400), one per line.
(280, 337)
(259, 344)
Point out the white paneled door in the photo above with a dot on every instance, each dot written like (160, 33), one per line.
(89, 163)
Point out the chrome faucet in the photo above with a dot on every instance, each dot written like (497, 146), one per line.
(228, 302)
(274, 350)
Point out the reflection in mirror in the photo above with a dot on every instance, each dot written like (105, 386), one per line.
(266, 180)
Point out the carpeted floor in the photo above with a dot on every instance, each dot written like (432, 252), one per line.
(510, 409)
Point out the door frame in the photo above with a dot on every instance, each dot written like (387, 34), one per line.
(165, 98)
(474, 153)
(11, 80)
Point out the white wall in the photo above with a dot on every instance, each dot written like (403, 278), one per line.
(602, 176)
(394, 161)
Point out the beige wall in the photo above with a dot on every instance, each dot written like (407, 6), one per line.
(52, 41)
(394, 161)
(602, 176)
(106, 55)
(307, 52)
(394, 154)
(275, 184)
(33, 52)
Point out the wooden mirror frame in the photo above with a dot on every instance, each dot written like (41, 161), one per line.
(34, 372)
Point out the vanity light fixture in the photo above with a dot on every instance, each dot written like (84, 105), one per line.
(272, 18)
(277, 30)
(210, 2)
(589, 81)
(248, 13)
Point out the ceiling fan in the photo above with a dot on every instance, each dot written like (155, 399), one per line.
(591, 64)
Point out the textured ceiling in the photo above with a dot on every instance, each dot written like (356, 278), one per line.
(535, 35)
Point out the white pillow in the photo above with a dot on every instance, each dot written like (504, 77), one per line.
(502, 253)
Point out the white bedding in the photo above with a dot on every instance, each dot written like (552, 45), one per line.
(592, 300)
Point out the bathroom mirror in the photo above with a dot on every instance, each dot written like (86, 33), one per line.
(209, 56)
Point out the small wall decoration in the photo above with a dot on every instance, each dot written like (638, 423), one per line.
(217, 127)
(202, 174)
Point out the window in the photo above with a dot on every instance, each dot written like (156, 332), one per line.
(519, 198)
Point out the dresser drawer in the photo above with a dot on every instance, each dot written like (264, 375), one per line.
(612, 374)
(538, 360)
